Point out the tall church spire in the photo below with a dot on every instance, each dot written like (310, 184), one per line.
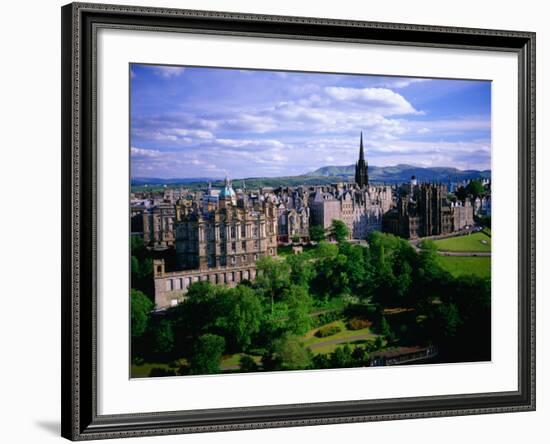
(361, 151)
(361, 167)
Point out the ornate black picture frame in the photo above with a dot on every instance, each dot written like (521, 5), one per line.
(80, 419)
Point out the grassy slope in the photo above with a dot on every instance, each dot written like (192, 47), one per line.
(470, 242)
(310, 339)
(458, 266)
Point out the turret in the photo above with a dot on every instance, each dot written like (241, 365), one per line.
(361, 167)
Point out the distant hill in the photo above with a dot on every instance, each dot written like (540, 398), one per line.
(324, 176)
(138, 181)
(402, 173)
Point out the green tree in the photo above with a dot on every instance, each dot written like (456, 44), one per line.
(242, 315)
(136, 245)
(475, 188)
(317, 233)
(299, 303)
(339, 230)
(273, 276)
(291, 353)
(206, 355)
(301, 269)
(163, 337)
(342, 357)
(383, 327)
(360, 356)
(141, 266)
(200, 311)
(247, 364)
(140, 306)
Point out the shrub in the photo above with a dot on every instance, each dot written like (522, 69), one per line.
(159, 371)
(326, 318)
(248, 364)
(360, 356)
(321, 362)
(328, 330)
(370, 311)
(342, 357)
(358, 323)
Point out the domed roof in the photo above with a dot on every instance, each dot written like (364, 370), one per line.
(227, 192)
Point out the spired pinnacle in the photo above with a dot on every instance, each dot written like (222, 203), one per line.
(361, 167)
(361, 151)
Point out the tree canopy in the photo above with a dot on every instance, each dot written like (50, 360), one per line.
(140, 306)
(339, 230)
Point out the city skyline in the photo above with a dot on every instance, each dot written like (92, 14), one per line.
(211, 122)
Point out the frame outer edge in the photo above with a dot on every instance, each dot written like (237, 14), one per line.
(72, 398)
(71, 198)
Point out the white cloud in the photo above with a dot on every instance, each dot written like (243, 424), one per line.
(168, 72)
(380, 100)
(248, 122)
(245, 143)
(180, 135)
(402, 82)
(200, 134)
(141, 152)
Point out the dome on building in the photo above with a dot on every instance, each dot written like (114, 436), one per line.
(227, 192)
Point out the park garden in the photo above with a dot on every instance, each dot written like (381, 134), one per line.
(333, 305)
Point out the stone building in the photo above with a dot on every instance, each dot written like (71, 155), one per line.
(292, 223)
(220, 244)
(158, 226)
(424, 210)
(359, 205)
(360, 209)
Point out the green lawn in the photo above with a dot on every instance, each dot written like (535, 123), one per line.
(478, 242)
(234, 360)
(286, 250)
(143, 370)
(345, 336)
(458, 265)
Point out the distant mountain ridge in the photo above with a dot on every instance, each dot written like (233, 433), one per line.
(403, 173)
(329, 174)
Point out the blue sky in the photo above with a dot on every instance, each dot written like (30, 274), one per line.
(210, 122)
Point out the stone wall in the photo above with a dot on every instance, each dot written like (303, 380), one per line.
(171, 287)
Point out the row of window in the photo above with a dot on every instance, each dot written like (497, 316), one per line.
(223, 278)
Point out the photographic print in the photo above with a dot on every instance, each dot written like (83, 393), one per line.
(306, 221)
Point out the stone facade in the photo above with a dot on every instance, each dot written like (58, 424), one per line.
(219, 242)
(158, 226)
(171, 287)
(361, 209)
(424, 210)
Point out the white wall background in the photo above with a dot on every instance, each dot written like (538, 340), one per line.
(30, 220)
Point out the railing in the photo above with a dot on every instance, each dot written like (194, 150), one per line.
(406, 356)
